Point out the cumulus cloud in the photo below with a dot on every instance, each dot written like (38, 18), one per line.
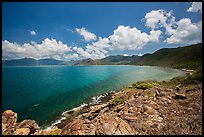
(82, 53)
(181, 32)
(88, 36)
(127, 38)
(33, 33)
(154, 35)
(186, 32)
(71, 56)
(158, 18)
(195, 7)
(125, 55)
(49, 48)
(96, 50)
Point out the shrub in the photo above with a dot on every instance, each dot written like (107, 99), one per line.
(194, 78)
(118, 101)
(144, 86)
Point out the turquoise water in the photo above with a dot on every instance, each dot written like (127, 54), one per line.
(43, 93)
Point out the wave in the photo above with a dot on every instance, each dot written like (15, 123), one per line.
(95, 100)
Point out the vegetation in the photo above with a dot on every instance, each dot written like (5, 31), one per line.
(117, 101)
(189, 57)
(144, 86)
(194, 78)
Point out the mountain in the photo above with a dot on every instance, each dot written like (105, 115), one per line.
(110, 60)
(49, 62)
(189, 57)
(180, 57)
(20, 62)
(31, 62)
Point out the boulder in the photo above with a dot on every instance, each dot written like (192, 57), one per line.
(113, 125)
(22, 131)
(31, 124)
(95, 110)
(79, 127)
(9, 119)
(148, 110)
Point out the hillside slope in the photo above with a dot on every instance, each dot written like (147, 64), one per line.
(181, 57)
(189, 57)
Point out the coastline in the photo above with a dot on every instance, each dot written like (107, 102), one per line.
(107, 104)
(144, 108)
(102, 98)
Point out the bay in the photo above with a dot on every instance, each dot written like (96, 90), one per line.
(43, 93)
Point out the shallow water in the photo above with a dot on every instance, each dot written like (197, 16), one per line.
(43, 93)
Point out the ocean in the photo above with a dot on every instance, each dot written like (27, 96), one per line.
(43, 93)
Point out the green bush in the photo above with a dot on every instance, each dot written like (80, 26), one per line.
(194, 78)
(118, 101)
(144, 85)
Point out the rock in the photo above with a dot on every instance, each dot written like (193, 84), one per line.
(131, 119)
(79, 127)
(22, 131)
(9, 119)
(179, 96)
(113, 125)
(148, 110)
(159, 92)
(31, 124)
(95, 110)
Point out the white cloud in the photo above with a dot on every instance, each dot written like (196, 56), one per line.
(127, 38)
(125, 55)
(49, 48)
(195, 7)
(154, 35)
(33, 33)
(81, 52)
(88, 36)
(158, 18)
(96, 50)
(72, 56)
(186, 32)
(181, 32)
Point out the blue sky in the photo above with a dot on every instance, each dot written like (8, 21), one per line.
(79, 30)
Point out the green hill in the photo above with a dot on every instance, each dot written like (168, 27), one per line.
(110, 60)
(189, 57)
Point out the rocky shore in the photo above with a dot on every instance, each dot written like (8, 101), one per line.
(144, 108)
